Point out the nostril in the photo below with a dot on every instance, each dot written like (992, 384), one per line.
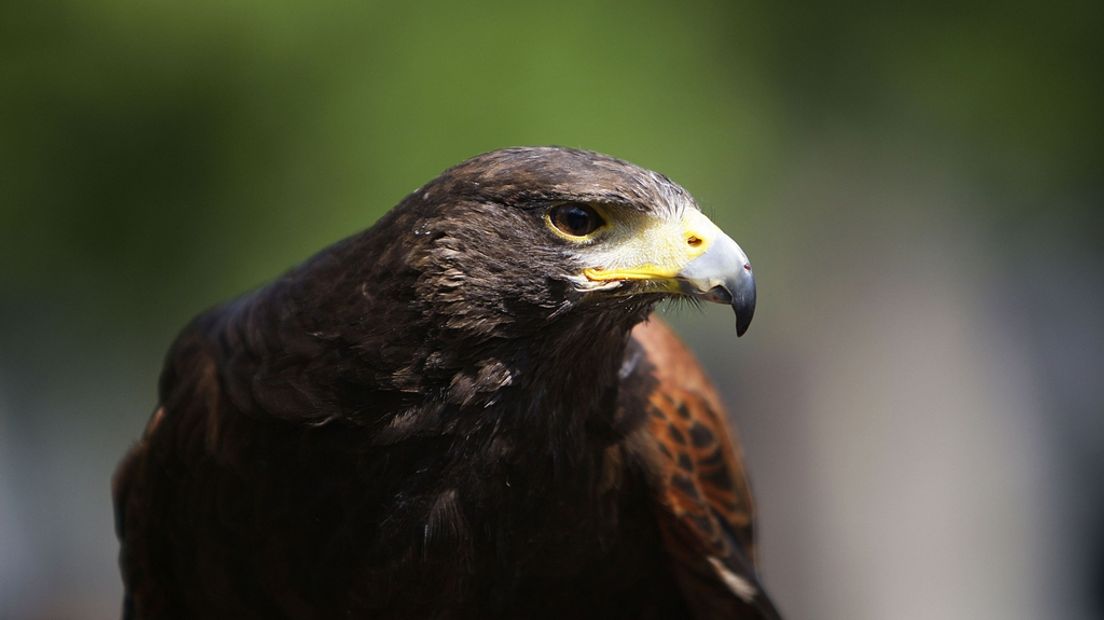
(694, 241)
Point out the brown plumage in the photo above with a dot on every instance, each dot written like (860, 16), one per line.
(462, 412)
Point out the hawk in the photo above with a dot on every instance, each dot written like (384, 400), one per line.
(465, 411)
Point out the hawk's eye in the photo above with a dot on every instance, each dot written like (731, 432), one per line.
(575, 219)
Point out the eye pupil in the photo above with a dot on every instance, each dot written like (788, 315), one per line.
(576, 219)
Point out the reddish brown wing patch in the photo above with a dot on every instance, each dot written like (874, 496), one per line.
(699, 461)
(705, 509)
(704, 482)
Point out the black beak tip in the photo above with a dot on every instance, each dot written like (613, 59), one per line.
(739, 295)
(743, 321)
(744, 307)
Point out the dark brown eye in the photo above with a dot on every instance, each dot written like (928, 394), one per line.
(575, 219)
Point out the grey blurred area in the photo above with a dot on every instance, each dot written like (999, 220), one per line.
(919, 399)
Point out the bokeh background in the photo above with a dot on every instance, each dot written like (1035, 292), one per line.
(920, 189)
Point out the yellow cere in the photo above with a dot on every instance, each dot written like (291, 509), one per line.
(642, 248)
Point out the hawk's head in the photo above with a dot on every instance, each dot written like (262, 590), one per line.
(540, 231)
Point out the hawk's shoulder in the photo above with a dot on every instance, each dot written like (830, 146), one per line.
(702, 499)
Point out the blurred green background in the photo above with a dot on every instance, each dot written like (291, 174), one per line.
(920, 189)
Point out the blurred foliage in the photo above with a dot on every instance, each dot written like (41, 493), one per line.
(156, 156)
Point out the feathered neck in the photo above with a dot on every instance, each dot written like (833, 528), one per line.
(395, 345)
(316, 346)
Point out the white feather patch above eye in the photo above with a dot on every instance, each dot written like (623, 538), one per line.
(740, 587)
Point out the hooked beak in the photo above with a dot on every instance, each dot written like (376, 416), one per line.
(699, 260)
(722, 275)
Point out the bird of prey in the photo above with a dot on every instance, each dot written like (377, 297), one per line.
(464, 411)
